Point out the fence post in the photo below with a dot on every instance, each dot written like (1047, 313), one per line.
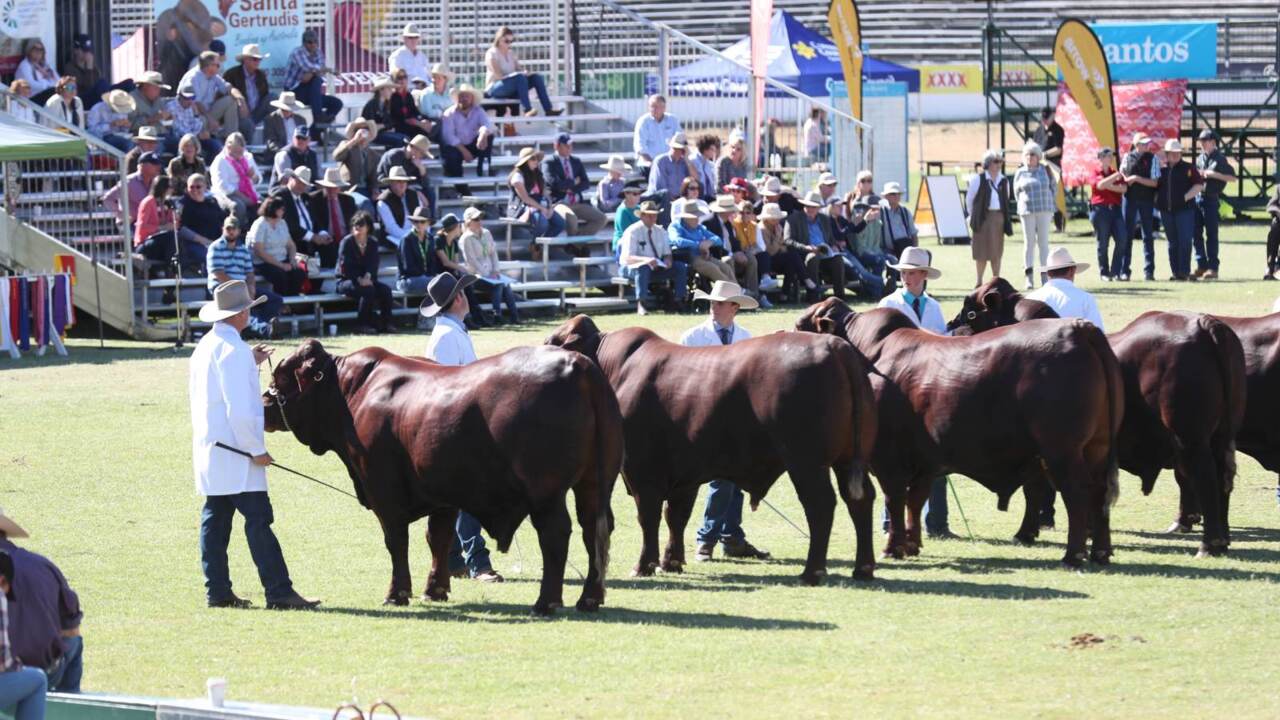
(664, 60)
(331, 41)
(445, 37)
(753, 123)
(555, 44)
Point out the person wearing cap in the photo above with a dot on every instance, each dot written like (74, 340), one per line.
(186, 121)
(990, 202)
(83, 67)
(149, 101)
(448, 259)
(357, 162)
(828, 188)
(608, 195)
(331, 209)
(436, 98)
(1176, 190)
(529, 202)
(407, 58)
(411, 158)
(1106, 216)
(396, 204)
(704, 163)
(732, 165)
(22, 689)
(867, 245)
(1141, 169)
(741, 254)
(297, 155)
(652, 133)
(897, 226)
(139, 184)
(402, 108)
(1217, 173)
(810, 233)
(357, 276)
(226, 408)
(848, 224)
(627, 213)
(466, 134)
(1034, 187)
(412, 255)
(304, 76)
(480, 255)
(567, 184)
(670, 169)
(283, 121)
(234, 178)
(249, 79)
(109, 120)
(228, 258)
(1060, 291)
(1050, 136)
(693, 243)
(218, 103)
(506, 78)
(645, 255)
(37, 70)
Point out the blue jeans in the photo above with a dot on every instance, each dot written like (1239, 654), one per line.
(66, 677)
(1208, 211)
(22, 693)
(311, 93)
(677, 273)
(415, 285)
(215, 535)
(117, 141)
(468, 550)
(1140, 217)
(1108, 225)
(722, 519)
(517, 86)
(543, 226)
(1179, 226)
(871, 285)
(935, 509)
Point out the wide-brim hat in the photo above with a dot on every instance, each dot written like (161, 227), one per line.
(828, 179)
(410, 30)
(119, 101)
(724, 203)
(812, 199)
(10, 528)
(771, 211)
(526, 154)
(395, 173)
(1172, 145)
(417, 216)
(151, 77)
(616, 163)
(146, 133)
(725, 291)
(678, 141)
(421, 144)
(332, 179)
(442, 69)
(465, 88)
(442, 291)
(301, 174)
(384, 83)
(649, 207)
(229, 299)
(891, 188)
(350, 130)
(917, 258)
(288, 101)
(770, 185)
(252, 51)
(1060, 258)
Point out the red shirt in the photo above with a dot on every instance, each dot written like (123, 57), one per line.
(1103, 197)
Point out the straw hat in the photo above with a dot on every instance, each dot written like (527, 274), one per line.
(395, 173)
(410, 31)
(146, 133)
(891, 188)
(678, 141)
(151, 77)
(616, 164)
(384, 83)
(359, 123)
(302, 174)
(10, 528)
(917, 258)
(812, 199)
(828, 179)
(288, 101)
(526, 154)
(252, 51)
(230, 298)
(649, 207)
(421, 144)
(725, 291)
(1060, 258)
(442, 291)
(465, 88)
(443, 70)
(771, 211)
(724, 203)
(1172, 145)
(332, 178)
(119, 101)
(771, 186)
(472, 213)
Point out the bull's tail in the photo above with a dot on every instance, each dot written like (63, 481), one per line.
(864, 423)
(1230, 357)
(608, 452)
(1115, 410)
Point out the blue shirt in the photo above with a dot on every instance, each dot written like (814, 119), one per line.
(45, 606)
(651, 136)
(236, 262)
(666, 175)
(689, 238)
(301, 61)
(815, 233)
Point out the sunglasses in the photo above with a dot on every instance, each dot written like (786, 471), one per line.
(195, 187)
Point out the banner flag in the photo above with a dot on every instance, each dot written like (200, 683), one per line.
(846, 32)
(1083, 65)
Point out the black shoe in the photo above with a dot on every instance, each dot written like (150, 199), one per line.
(744, 549)
(1149, 277)
(705, 552)
(943, 534)
(231, 601)
(293, 602)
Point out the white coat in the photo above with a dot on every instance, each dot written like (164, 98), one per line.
(226, 406)
(933, 321)
(704, 335)
(450, 344)
(1068, 300)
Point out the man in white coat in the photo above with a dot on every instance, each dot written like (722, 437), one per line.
(916, 267)
(1060, 291)
(722, 518)
(226, 407)
(450, 344)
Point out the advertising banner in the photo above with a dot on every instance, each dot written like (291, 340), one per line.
(1084, 70)
(21, 20)
(1152, 108)
(184, 29)
(1159, 51)
(847, 34)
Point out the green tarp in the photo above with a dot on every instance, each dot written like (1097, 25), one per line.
(21, 140)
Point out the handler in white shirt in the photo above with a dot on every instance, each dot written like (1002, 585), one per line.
(1060, 291)
(451, 345)
(722, 518)
(226, 407)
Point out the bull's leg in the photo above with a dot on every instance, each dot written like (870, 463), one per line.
(1099, 524)
(554, 527)
(1205, 482)
(679, 508)
(1033, 492)
(1071, 476)
(896, 544)
(649, 510)
(860, 505)
(587, 505)
(441, 526)
(395, 535)
(917, 496)
(1189, 510)
(813, 486)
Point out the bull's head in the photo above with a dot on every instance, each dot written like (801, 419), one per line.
(827, 317)
(302, 389)
(989, 306)
(579, 334)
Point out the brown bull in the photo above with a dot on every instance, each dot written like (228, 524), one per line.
(1184, 377)
(504, 438)
(1008, 408)
(745, 413)
(1259, 435)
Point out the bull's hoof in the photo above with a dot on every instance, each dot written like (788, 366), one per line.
(545, 609)
(897, 552)
(1025, 539)
(813, 579)
(589, 604)
(399, 597)
(672, 566)
(1179, 528)
(865, 572)
(1100, 557)
(643, 570)
(1213, 548)
(1073, 561)
(913, 549)
(435, 594)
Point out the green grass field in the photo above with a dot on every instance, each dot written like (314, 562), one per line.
(95, 461)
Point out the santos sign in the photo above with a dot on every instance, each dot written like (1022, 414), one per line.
(1160, 51)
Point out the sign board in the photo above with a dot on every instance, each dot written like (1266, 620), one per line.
(940, 209)
(884, 108)
(184, 28)
(22, 20)
(1159, 51)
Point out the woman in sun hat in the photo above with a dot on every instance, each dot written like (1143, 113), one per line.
(528, 201)
(109, 120)
(609, 190)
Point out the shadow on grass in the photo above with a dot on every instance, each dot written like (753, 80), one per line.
(688, 582)
(113, 353)
(1203, 568)
(506, 613)
(950, 588)
(1238, 534)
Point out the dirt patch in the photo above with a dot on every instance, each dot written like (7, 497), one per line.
(1085, 640)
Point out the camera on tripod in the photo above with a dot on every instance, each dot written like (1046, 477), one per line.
(172, 203)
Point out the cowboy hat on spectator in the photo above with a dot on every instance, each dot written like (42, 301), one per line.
(443, 71)
(616, 164)
(151, 77)
(678, 141)
(332, 179)
(725, 291)
(891, 188)
(410, 31)
(229, 299)
(396, 173)
(828, 179)
(421, 144)
(288, 101)
(465, 88)
(812, 199)
(119, 101)
(649, 207)
(252, 51)
(724, 203)
(358, 124)
(771, 211)
(146, 133)
(526, 154)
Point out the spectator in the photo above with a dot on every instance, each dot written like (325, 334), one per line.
(990, 204)
(827, 189)
(528, 201)
(609, 190)
(847, 226)
(1105, 214)
(412, 158)
(304, 76)
(652, 134)
(1177, 188)
(235, 178)
(251, 82)
(396, 204)
(741, 256)
(187, 121)
(691, 199)
(297, 155)
(63, 104)
(377, 110)
(149, 102)
(505, 79)
(139, 184)
(1217, 172)
(567, 183)
(781, 258)
(407, 58)
(466, 134)
(276, 257)
(627, 213)
(436, 99)
(646, 256)
(741, 189)
(22, 689)
(403, 109)
(304, 228)
(670, 169)
(448, 259)
(358, 277)
(733, 163)
(1273, 237)
(217, 47)
(84, 69)
(228, 259)
(357, 162)
(810, 233)
(704, 162)
(202, 218)
(1142, 172)
(288, 116)
(747, 235)
(109, 120)
(38, 73)
(696, 246)
(217, 102)
(332, 209)
(146, 141)
(773, 191)
(481, 258)
(21, 110)
(866, 244)
(898, 229)
(1034, 187)
(1051, 138)
(154, 234)
(44, 617)
(186, 163)
(814, 137)
(411, 257)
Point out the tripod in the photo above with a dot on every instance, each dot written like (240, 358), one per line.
(176, 261)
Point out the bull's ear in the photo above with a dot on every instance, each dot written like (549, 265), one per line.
(992, 300)
(825, 325)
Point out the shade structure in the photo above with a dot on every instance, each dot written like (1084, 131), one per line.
(21, 140)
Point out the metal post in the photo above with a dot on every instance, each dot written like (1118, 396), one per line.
(572, 53)
(555, 44)
(752, 134)
(82, 21)
(331, 41)
(444, 33)
(663, 59)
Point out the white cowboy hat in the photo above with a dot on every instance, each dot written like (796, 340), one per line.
(302, 173)
(252, 51)
(828, 179)
(472, 213)
(151, 77)
(1060, 258)
(350, 131)
(891, 188)
(678, 141)
(332, 178)
(725, 291)
(812, 199)
(119, 101)
(771, 211)
(771, 186)
(288, 101)
(230, 298)
(526, 154)
(10, 528)
(410, 31)
(1172, 145)
(395, 173)
(145, 133)
(442, 69)
(724, 203)
(917, 258)
(616, 164)
(421, 144)
(465, 88)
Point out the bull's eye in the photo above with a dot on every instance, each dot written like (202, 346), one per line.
(972, 315)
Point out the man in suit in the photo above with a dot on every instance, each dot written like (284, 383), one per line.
(251, 81)
(303, 228)
(412, 159)
(331, 212)
(568, 184)
(277, 132)
(811, 233)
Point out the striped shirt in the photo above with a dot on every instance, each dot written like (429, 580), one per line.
(236, 261)
(7, 661)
